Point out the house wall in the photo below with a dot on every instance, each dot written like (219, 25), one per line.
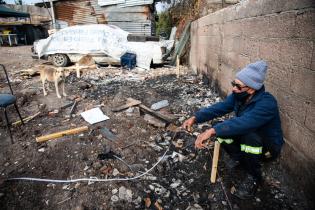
(281, 32)
(38, 15)
(135, 19)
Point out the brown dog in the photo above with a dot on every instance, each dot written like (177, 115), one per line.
(85, 61)
(57, 76)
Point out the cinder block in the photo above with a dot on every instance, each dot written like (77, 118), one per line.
(272, 88)
(313, 58)
(231, 1)
(281, 25)
(213, 18)
(271, 6)
(296, 52)
(214, 43)
(225, 76)
(214, 1)
(249, 47)
(242, 61)
(280, 74)
(256, 27)
(269, 49)
(301, 169)
(213, 30)
(229, 13)
(231, 44)
(293, 105)
(300, 137)
(305, 24)
(249, 8)
(310, 117)
(232, 28)
(303, 82)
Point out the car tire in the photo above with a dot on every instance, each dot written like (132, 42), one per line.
(60, 60)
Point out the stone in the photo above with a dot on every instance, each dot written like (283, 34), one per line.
(97, 165)
(160, 105)
(194, 207)
(176, 183)
(154, 121)
(137, 201)
(179, 143)
(66, 187)
(41, 150)
(177, 157)
(125, 194)
(77, 185)
(115, 172)
(151, 187)
(114, 191)
(114, 198)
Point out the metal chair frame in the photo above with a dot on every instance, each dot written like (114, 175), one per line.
(5, 108)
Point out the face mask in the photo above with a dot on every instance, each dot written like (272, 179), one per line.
(241, 96)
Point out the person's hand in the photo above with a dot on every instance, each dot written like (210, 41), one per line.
(201, 138)
(188, 123)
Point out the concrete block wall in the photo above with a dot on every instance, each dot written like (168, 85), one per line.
(281, 32)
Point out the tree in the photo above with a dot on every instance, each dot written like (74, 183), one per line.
(18, 2)
(164, 25)
(2, 2)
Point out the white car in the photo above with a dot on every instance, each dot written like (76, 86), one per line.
(105, 43)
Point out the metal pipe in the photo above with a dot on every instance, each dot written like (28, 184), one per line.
(52, 14)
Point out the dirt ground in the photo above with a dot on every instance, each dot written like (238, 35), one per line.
(180, 180)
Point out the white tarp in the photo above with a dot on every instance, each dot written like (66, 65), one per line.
(108, 39)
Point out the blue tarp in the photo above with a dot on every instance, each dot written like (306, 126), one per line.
(8, 12)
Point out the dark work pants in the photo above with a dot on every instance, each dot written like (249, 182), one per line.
(249, 150)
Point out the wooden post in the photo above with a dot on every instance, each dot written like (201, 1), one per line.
(25, 120)
(177, 66)
(61, 133)
(215, 161)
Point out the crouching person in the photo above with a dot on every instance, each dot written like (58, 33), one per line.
(253, 133)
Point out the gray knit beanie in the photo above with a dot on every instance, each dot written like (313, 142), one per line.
(253, 75)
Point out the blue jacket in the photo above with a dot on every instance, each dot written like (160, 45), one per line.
(260, 115)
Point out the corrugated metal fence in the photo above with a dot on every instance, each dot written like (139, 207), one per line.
(136, 20)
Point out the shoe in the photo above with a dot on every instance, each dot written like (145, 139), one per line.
(247, 189)
(232, 164)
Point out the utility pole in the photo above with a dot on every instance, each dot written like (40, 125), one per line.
(52, 14)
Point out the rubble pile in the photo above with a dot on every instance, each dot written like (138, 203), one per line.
(144, 111)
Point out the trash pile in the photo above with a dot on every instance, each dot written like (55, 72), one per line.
(130, 155)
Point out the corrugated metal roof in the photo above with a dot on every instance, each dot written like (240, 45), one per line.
(138, 28)
(135, 19)
(124, 3)
(130, 3)
(79, 12)
(109, 2)
(129, 14)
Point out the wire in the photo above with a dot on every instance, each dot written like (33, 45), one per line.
(47, 9)
(118, 158)
(89, 179)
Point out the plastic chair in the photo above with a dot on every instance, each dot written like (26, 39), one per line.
(7, 100)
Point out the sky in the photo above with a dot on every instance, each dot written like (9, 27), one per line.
(160, 7)
(24, 1)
